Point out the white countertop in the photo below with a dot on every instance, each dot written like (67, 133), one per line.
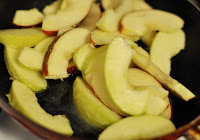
(10, 130)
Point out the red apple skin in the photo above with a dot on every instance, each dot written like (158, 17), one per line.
(50, 33)
(121, 29)
(72, 70)
(92, 40)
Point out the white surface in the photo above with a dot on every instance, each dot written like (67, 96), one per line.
(10, 130)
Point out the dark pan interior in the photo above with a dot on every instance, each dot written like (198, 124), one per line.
(57, 98)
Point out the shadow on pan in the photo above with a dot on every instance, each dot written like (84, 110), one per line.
(57, 98)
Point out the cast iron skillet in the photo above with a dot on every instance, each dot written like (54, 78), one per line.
(185, 68)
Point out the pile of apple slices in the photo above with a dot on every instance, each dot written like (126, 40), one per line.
(119, 78)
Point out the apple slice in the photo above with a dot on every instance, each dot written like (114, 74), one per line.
(167, 81)
(110, 3)
(168, 112)
(109, 81)
(140, 22)
(90, 107)
(63, 30)
(28, 18)
(31, 58)
(82, 53)
(24, 100)
(64, 4)
(93, 16)
(138, 127)
(43, 45)
(32, 79)
(99, 37)
(52, 8)
(61, 51)
(72, 15)
(20, 38)
(148, 38)
(110, 21)
(164, 47)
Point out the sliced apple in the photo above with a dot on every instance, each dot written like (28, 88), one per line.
(64, 4)
(82, 53)
(72, 15)
(167, 81)
(138, 127)
(110, 21)
(43, 45)
(32, 79)
(164, 47)
(61, 51)
(19, 38)
(24, 100)
(148, 38)
(140, 22)
(28, 18)
(52, 8)
(63, 30)
(110, 3)
(31, 59)
(99, 37)
(109, 81)
(93, 16)
(90, 107)
(168, 112)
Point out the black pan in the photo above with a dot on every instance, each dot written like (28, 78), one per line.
(185, 68)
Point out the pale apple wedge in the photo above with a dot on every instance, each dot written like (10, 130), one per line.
(19, 38)
(61, 51)
(164, 47)
(140, 22)
(24, 100)
(115, 91)
(82, 53)
(52, 8)
(28, 18)
(93, 16)
(167, 81)
(99, 37)
(72, 15)
(110, 21)
(90, 107)
(31, 58)
(138, 127)
(43, 45)
(110, 3)
(32, 79)
(63, 30)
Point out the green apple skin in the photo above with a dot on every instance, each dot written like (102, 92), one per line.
(24, 100)
(33, 79)
(138, 127)
(20, 38)
(90, 107)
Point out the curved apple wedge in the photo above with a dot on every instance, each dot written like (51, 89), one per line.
(129, 99)
(32, 79)
(61, 51)
(140, 22)
(73, 14)
(24, 100)
(138, 127)
(90, 107)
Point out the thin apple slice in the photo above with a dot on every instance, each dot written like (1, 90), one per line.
(28, 18)
(138, 127)
(20, 38)
(24, 100)
(43, 45)
(110, 21)
(140, 22)
(72, 15)
(52, 8)
(164, 47)
(63, 30)
(82, 53)
(90, 107)
(93, 16)
(168, 112)
(99, 37)
(31, 58)
(61, 51)
(32, 79)
(110, 3)
(167, 81)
